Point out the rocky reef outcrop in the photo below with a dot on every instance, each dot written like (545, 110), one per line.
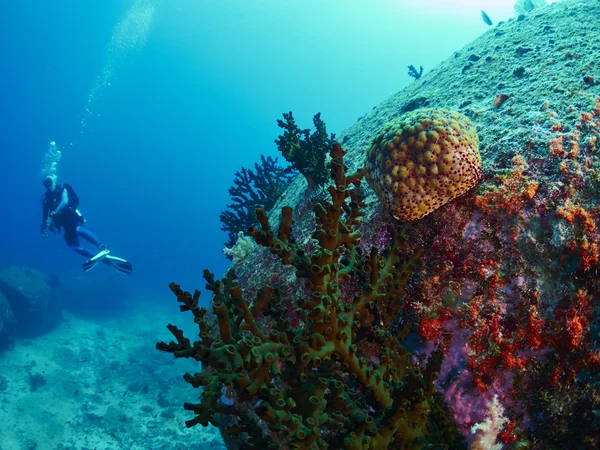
(95, 294)
(32, 306)
(506, 285)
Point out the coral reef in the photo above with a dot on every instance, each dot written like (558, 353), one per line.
(515, 282)
(507, 285)
(306, 152)
(487, 432)
(422, 160)
(243, 246)
(337, 377)
(251, 190)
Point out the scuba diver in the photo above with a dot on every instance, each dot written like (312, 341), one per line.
(59, 210)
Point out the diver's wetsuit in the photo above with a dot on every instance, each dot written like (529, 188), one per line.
(67, 217)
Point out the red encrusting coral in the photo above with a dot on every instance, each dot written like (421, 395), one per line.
(490, 282)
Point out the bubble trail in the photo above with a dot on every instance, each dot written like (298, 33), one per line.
(50, 162)
(129, 35)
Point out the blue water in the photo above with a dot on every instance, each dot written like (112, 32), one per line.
(196, 103)
(154, 155)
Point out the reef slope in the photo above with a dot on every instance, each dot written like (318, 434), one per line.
(509, 273)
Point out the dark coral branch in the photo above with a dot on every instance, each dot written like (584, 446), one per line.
(251, 190)
(413, 72)
(306, 152)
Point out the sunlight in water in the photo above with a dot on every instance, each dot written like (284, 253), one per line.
(130, 35)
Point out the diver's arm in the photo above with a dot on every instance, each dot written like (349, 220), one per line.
(64, 201)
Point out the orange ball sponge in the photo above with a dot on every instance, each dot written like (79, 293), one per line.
(422, 160)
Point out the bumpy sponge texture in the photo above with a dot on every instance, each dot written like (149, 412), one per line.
(422, 160)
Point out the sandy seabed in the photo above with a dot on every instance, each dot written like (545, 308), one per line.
(100, 385)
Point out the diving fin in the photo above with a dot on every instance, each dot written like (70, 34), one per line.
(119, 264)
(94, 260)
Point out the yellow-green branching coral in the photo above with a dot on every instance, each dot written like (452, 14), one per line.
(340, 378)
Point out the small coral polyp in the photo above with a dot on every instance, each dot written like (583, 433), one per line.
(422, 160)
